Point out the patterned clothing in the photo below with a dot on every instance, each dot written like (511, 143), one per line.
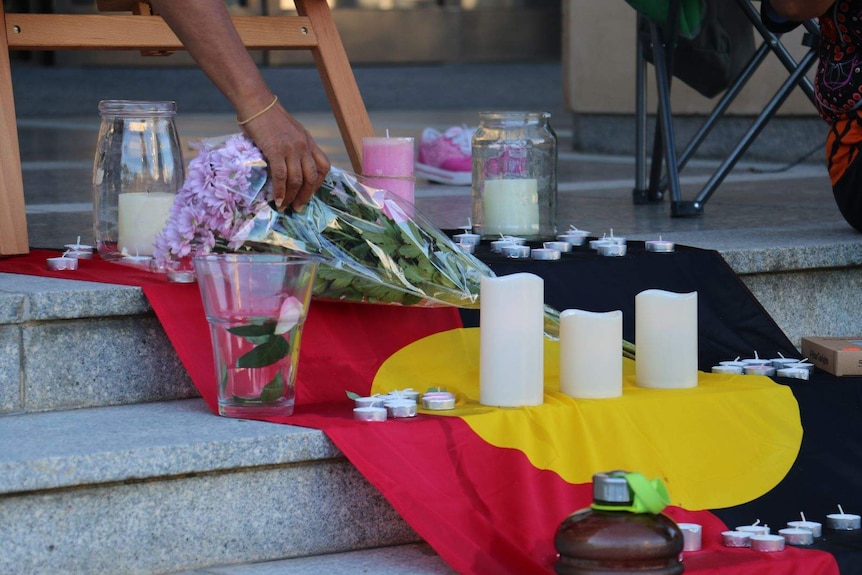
(838, 91)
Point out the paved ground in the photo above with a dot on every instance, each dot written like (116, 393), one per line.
(758, 205)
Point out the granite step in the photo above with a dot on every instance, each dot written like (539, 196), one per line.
(167, 487)
(73, 344)
(412, 559)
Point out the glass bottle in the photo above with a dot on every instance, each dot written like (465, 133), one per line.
(623, 531)
(515, 176)
(137, 171)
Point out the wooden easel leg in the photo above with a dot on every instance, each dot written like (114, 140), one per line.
(13, 218)
(338, 79)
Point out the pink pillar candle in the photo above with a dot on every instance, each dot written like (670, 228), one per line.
(387, 163)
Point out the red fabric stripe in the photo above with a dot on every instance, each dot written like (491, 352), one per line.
(485, 510)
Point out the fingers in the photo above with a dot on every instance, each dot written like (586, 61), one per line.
(297, 165)
(314, 168)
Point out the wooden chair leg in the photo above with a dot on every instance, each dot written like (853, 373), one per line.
(338, 79)
(13, 218)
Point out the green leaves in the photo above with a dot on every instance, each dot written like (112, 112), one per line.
(269, 348)
(273, 390)
(272, 350)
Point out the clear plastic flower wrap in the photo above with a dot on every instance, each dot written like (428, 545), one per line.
(377, 247)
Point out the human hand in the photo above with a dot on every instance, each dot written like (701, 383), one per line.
(297, 165)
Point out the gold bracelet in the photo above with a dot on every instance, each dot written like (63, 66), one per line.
(259, 114)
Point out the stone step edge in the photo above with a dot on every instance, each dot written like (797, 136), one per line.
(33, 298)
(413, 558)
(64, 449)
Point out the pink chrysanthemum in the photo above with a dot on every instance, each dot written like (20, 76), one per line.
(221, 193)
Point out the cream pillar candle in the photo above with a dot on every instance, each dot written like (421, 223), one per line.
(511, 340)
(142, 215)
(511, 207)
(666, 339)
(591, 364)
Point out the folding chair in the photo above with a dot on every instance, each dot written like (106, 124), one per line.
(663, 42)
(313, 29)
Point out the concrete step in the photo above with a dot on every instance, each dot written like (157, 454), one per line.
(165, 487)
(71, 344)
(414, 559)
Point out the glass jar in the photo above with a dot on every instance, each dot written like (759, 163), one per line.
(137, 171)
(515, 176)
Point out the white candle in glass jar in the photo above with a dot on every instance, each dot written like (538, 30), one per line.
(511, 340)
(666, 339)
(511, 206)
(591, 365)
(142, 216)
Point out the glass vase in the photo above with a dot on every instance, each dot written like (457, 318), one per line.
(137, 170)
(256, 305)
(514, 156)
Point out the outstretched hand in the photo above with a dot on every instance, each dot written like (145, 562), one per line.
(297, 165)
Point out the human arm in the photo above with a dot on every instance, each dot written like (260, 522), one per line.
(297, 164)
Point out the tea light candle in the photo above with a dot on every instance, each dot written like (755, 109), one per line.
(692, 536)
(545, 254)
(756, 360)
(142, 216)
(572, 239)
(387, 163)
(666, 339)
(400, 407)
(591, 365)
(727, 369)
(79, 250)
(759, 369)
(595, 244)
(560, 246)
(511, 340)
(735, 539)
(369, 413)
(467, 238)
(803, 365)
(573, 231)
(659, 246)
(815, 527)
(767, 543)
(793, 372)
(780, 362)
(372, 401)
(438, 401)
(516, 251)
(843, 521)
(797, 536)
(62, 263)
(612, 249)
(511, 206)
(755, 529)
(498, 245)
(466, 248)
(518, 241)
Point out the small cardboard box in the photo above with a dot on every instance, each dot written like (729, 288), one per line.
(837, 355)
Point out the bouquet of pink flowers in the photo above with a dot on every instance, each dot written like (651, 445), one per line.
(376, 247)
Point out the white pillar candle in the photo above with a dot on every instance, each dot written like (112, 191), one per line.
(511, 206)
(666, 339)
(591, 365)
(511, 340)
(142, 215)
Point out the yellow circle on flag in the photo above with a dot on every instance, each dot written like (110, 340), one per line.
(723, 443)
